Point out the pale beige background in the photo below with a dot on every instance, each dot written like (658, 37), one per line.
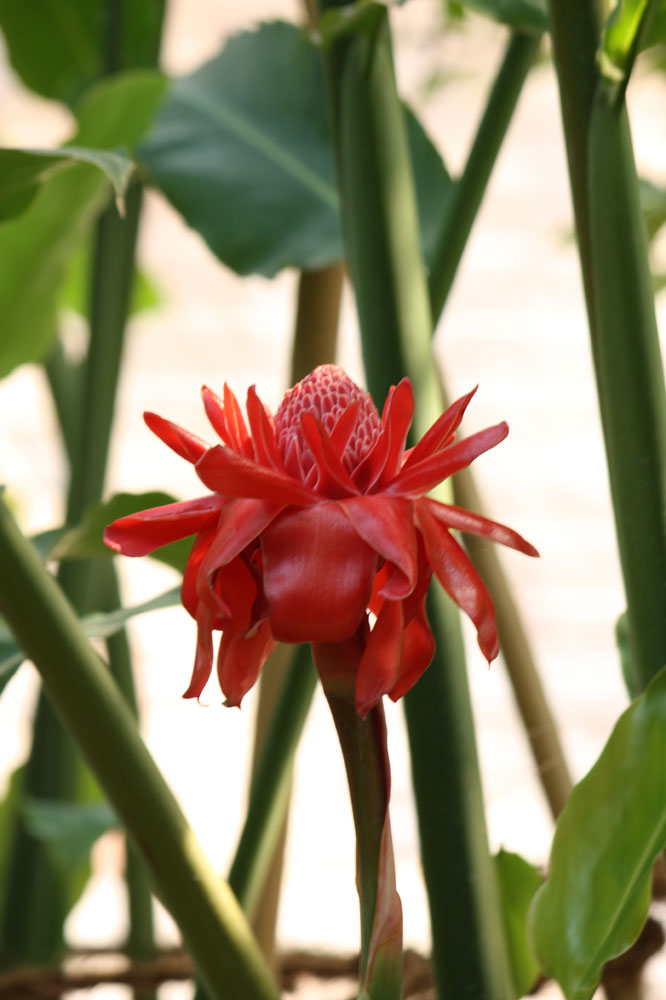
(516, 325)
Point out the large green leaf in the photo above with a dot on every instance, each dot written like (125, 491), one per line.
(34, 247)
(70, 829)
(518, 881)
(246, 156)
(22, 171)
(608, 836)
(60, 48)
(521, 15)
(86, 540)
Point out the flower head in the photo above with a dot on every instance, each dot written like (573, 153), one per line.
(315, 519)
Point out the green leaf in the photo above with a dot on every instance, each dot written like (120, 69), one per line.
(99, 625)
(23, 171)
(246, 157)
(518, 881)
(34, 248)
(86, 541)
(8, 809)
(620, 40)
(70, 829)
(60, 49)
(596, 899)
(521, 15)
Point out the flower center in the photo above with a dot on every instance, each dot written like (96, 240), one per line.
(325, 393)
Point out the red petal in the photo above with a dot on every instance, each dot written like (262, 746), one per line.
(387, 525)
(184, 443)
(203, 660)
(345, 427)
(230, 474)
(380, 662)
(333, 480)
(418, 649)
(240, 659)
(459, 578)
(475, 524)
(240, 523)
(440, 433)
(318, 575)
(188, 592)
(147, 530)
(263, 434)
(227, 420)
(423, 476)
(397, 420)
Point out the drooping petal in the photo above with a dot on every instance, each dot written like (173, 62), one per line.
(232, 475)
(318, 574)
(263, 434)
(419, 478)
(333, 479)
(387, 525)
(230, 592)
(189, 592)
(476, 524)
(240, 523)
(397, 419)
(240, 658)
(418, 649)
(141, 533)
(441, 431)
(378, 669)
(184, 443)
(203, 659)
(459, 578)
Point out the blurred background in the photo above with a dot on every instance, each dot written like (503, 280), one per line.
(515, 324)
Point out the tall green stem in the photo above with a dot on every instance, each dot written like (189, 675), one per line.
(381, 238)
(471, 186)
(623, 328)
(93, 709)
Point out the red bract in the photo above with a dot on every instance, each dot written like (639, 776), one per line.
(316, 518)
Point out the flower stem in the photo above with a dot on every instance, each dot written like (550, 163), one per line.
(95, 712)
(363, 743)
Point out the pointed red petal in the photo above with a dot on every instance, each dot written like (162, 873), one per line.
(387, 525)
(230, 474)
(189, 592)
(147, 530)
(418, 649)
(187, 445)
(333, 480)
(263, 435)
(397, 420)
(378, 669)
(240, 523)
(318, 574)
(441, 431)
(345, 427)
(459, 578)
(227, 420)
(476, 524)
(203, 660)
(240, 659)
(419, 478)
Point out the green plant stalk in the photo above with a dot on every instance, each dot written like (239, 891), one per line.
(381, 237)
(97, 715)
(623, 328)
(470, 188)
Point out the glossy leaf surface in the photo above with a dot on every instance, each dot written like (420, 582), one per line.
(22, 171)
(246, 157)
(34, 247)
(596, 899)
(518, 881)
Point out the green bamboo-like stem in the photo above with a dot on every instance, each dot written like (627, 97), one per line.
(537, 718)
(93, 709)
(623, 328)
(364, 750)
(381, 238)
(470, 188)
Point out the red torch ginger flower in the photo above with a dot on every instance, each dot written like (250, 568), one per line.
(316, 518)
